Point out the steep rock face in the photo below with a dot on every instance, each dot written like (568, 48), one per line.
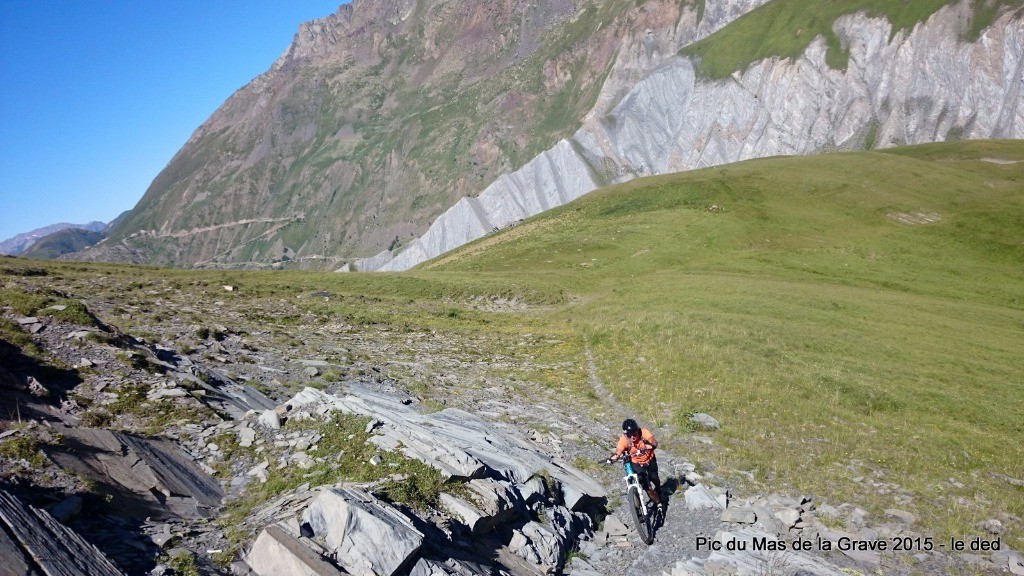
(383, 114)
(911, 87)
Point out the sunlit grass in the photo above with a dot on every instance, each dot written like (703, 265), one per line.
(848, 354)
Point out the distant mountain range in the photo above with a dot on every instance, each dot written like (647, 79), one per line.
(20, 243)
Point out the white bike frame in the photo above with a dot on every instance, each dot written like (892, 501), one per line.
(633, 481)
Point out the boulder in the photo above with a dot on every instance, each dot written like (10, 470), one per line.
(705, 421)
(901, 515)
(992, 526)
(700, 496)
(739, 515)
(278, 553)
(246, 436)
(493, 503)
(547, 545)
(538, 544)
(355, 526)
(269, 419)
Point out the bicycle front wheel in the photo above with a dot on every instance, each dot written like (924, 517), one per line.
(641, 520)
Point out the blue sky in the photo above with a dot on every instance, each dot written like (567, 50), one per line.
(96, 96)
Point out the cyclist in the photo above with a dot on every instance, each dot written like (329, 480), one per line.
(639, 444)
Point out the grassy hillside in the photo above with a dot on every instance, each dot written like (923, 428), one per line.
(855, 321)
(847, 317)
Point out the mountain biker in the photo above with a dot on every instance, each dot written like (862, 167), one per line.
(639, 444)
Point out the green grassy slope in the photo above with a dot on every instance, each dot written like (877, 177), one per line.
(786, 297)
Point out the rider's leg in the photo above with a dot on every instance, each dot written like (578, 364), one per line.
(652, 474)
(650, 477)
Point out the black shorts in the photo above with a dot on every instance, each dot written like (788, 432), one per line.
(648, 472)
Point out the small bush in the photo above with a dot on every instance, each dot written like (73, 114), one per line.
(183, 564)
(130, 399)
(97, 419)
(23, 448)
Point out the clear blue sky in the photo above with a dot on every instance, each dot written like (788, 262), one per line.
(96, 96)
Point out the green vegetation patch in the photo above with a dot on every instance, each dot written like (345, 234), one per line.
(784, 29)
(23, 448)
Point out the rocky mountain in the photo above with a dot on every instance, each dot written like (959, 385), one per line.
(402, 129)
(895, 87)
(22, 242)
(381, 116)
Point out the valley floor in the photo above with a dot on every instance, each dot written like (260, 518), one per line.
(166, 358)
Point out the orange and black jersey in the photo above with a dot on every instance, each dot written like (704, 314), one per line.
(638, 450)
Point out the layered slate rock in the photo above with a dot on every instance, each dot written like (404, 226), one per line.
(548, 545)
(364, 535)
(494, 503)
(33, 543)
(458, 444)
(497, 479)
(149, 476)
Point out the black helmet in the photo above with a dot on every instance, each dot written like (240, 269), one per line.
(629, 427)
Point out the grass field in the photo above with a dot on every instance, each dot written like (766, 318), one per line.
(854, 321)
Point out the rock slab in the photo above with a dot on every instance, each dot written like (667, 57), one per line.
(33, 542)
(278, 553)
(367, 537)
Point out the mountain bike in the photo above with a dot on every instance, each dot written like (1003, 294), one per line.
(645, 514)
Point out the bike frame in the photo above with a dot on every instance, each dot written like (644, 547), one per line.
(633, 481)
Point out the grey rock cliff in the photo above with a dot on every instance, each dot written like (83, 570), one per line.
(917, 86)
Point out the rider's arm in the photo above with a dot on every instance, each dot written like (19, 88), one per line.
(648, 438)
(620, 447)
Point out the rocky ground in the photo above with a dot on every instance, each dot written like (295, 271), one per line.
(180, 429)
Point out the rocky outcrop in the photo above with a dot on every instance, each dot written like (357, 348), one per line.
(150, 476)
(352, 525)
(908, 87)
(276, 552)
(457, 443)
(32, 543)
(504, 499)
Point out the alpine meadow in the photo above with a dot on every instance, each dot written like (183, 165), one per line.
(550, 288)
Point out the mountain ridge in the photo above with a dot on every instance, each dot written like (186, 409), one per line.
(19, 243)
(776, 107)
(382, 117)
(419, 104)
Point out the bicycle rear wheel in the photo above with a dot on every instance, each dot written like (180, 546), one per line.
(641, 520)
